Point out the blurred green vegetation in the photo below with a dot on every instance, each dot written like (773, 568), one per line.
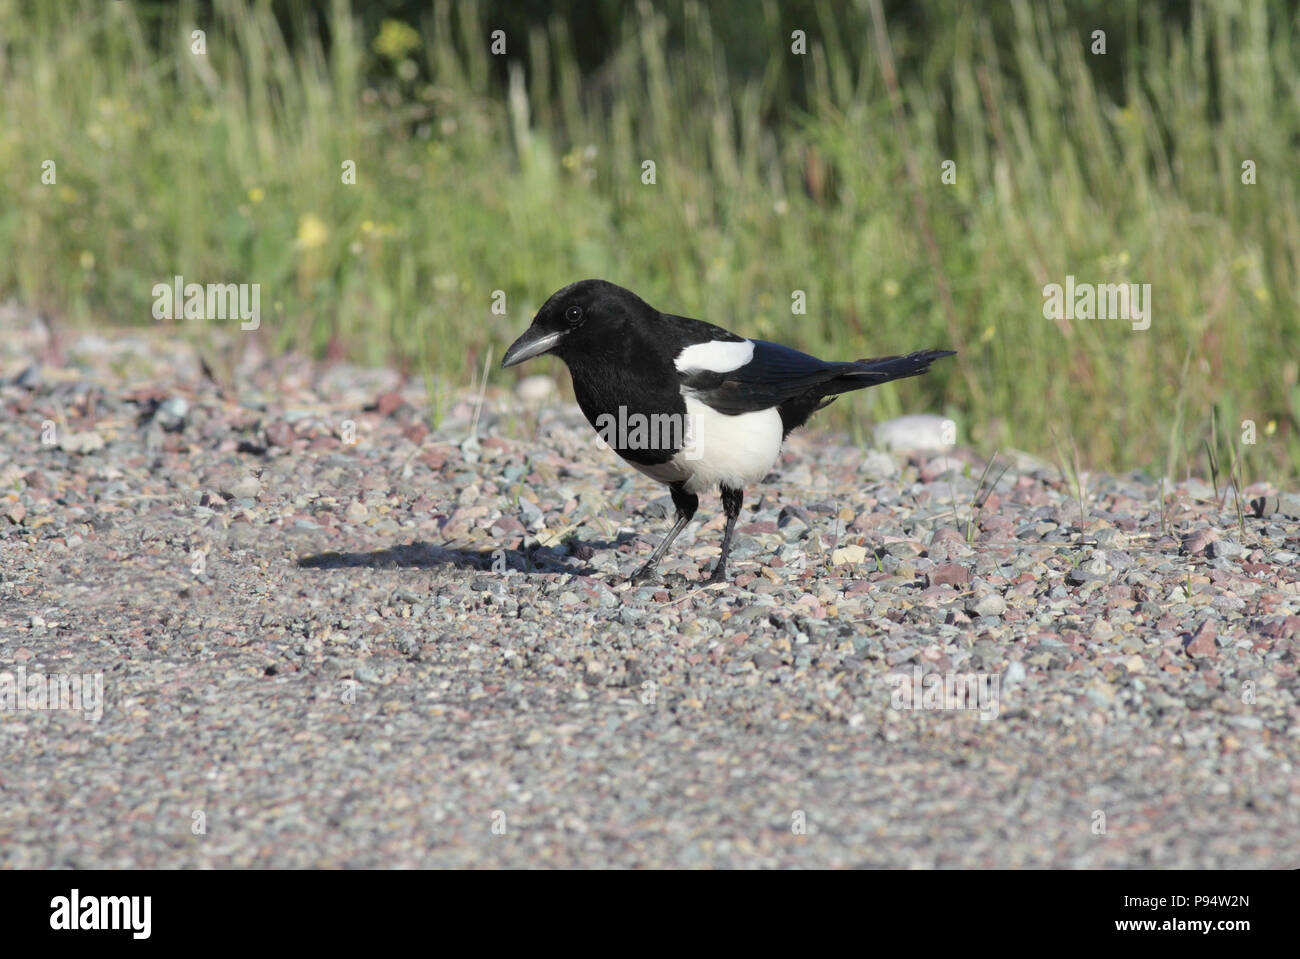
(775, 172)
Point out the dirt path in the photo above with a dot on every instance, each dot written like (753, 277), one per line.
(307, 657)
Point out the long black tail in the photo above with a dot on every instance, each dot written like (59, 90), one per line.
(882, 369)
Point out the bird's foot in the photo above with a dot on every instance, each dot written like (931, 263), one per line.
(719, 575)
(642, 575)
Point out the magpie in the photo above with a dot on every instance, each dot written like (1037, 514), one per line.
(685, 402)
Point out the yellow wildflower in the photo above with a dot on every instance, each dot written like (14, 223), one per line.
(312, 232)
(396, 39)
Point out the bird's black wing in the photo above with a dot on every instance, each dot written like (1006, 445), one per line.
(685, 331)
(778, 374)
(775, 374)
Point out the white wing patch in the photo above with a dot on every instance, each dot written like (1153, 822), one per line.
(716, 356)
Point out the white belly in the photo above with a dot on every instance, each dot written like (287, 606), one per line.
(735, 451)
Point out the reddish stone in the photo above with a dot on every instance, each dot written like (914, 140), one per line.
(949, 574)
(1198, 541)
(279, 433)
(867, 521)
(1281, 628)
(387, 403)
(1202, 641)
(947, 536)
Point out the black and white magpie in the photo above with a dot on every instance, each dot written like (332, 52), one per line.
(688, 403)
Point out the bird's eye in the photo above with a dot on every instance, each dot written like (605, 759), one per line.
(573, 315)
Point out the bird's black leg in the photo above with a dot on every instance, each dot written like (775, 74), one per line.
(687, 504)
(731, 500)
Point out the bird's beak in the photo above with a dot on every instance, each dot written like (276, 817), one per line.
(534, 342)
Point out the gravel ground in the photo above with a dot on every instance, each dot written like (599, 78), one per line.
(416, 650)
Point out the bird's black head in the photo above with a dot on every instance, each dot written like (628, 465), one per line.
(575, 317)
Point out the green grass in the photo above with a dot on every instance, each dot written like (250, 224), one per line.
(226, 168)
